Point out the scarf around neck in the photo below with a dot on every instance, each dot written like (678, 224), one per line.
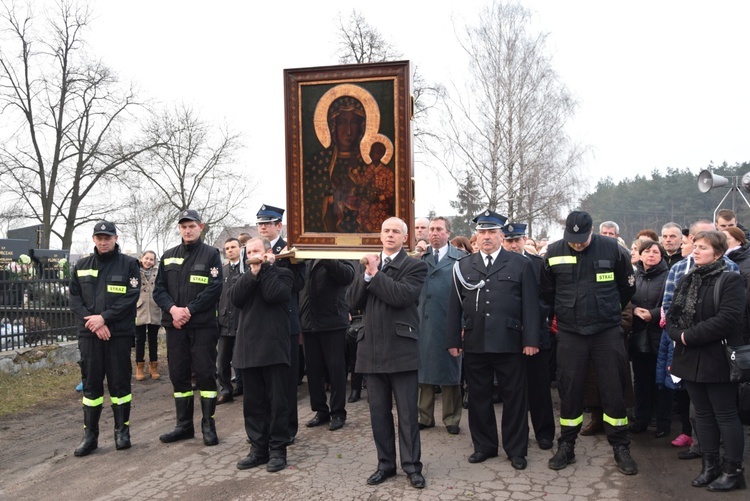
(682, 310)
(147, 272)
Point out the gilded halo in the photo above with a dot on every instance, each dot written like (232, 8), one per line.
(372, 120)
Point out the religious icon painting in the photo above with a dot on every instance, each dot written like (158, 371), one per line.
(349, 161)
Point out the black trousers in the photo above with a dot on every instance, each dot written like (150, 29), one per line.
(717, 419)
(540, 395)
(264, 407)
(512, 385)
(141, 332)
(647, 395)
(325, 353)
(607, 352)
(291, 380)
(351, 363)
(192, 351)
(381, 390)
(110, 359)
(682, 400)
(224, 353)
(553, 357)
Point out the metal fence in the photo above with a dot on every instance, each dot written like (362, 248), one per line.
(34, 308)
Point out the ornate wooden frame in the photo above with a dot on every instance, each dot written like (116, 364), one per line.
(383, 89)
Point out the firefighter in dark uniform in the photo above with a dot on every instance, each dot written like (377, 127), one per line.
(104, 291)
(187, 290)
(537, 367)
(495, 298)
(589, 280)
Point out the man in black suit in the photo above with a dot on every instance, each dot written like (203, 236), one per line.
(262, 355)
(269, 227)
(537, 367)
(388, 350)
(228, 322)
(325, 318)
(496, 300)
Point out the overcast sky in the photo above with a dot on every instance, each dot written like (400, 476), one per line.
(660, 84)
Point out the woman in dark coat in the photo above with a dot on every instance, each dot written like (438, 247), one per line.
(698, 326)
(650, 277)
(739, 252)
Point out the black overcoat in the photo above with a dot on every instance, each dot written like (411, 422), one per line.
(388, 341)
(263, 336)
(702, 359)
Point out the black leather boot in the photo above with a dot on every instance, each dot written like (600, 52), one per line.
(356, 392)
(122, 426)
(565, 455)
(184, 429)
(625, 462)
(90, 431)
(710, 472)
(208, 425)
(732, 477)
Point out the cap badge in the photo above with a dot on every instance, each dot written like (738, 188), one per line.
(486, 213)
(510, 228)
(262, 207)
(575, 228)
(184, 213)
(103, 227)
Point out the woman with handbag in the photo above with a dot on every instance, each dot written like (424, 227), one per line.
(650, 277)
(706, 313)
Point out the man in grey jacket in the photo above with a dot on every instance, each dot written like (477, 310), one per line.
(387, 289)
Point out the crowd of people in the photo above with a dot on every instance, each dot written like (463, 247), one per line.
(492, 317)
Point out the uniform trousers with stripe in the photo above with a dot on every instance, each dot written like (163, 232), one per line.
(607, 353)
(192, 351)
(110, 359)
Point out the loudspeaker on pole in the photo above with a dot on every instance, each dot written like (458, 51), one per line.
(708, 181)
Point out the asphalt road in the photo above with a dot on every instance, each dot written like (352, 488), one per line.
(37, 462)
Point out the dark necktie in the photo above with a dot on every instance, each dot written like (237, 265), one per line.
(489, 262)
(437, 256)
(386, 262)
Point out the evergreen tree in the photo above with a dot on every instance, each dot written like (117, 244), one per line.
(467, 205)
(639, 203)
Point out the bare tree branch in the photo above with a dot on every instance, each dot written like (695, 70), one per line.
(193, 168)
(359, 42)
(65, 118)
(506, 128)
